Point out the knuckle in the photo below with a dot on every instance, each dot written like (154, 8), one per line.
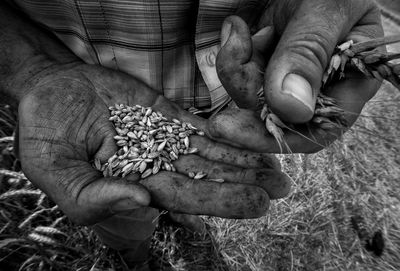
(315, 47)
(209, 146)
(310, 54)
(203, 164)
(198, 141)
(213, 126)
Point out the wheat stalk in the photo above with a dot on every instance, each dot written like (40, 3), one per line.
(7, 139)
(31, 260)
(27, 220)
(41, 239)
(57, 221)
(363, 56)
(41, 199)
(20, 192)
(13, 174)
(48, 230)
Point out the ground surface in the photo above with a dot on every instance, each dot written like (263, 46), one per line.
(357, 177)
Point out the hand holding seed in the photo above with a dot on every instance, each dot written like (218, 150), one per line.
(283, 65)
(65, 127)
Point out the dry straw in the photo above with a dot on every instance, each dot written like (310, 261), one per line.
(31, 217)
(20, 192)
(30, 261)
(12, 174)
(48, 230)
(41, 239)
(7, 139)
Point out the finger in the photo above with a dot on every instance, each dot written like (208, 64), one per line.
(102, 141)
(81, 191)
(255, 137)
(241, 128)
(177, 193)
(220, 152)
(145, 96)
(351, 93)
(264, 41)
(275, 183)
(239, 77)
(95, 198)
(294, 73)
(356, 90)
(107, 146)
(101, 198)
(239, 64)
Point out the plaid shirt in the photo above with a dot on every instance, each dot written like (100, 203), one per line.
(170, 45)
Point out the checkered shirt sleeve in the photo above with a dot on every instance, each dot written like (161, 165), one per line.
(170, 45)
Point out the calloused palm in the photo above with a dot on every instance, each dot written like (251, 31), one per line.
(63, 126)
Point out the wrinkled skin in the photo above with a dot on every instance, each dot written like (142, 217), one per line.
(63, 126)
(63, 115)
(297, 37)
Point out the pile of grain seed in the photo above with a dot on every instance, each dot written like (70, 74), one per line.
(148, 142)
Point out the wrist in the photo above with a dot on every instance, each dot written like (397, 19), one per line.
(26, 52)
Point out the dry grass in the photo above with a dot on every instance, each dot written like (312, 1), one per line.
(309, 230)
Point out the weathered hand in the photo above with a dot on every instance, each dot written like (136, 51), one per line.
(64, 126)
(288, 57)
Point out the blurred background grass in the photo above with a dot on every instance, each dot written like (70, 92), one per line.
(358, 176)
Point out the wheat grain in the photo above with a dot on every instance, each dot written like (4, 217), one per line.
(148, 142)
(15, 182)
(200, 175)
(48, 230)
(42, 239)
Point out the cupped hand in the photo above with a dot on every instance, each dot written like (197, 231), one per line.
(64, 126)
(288, 57)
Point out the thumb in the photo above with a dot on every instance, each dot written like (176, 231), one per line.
(294, 73)
(96, 198)
(239, 64)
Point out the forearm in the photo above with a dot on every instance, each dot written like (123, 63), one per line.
(26, 51)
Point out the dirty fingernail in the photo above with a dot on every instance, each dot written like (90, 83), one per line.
(300, 89)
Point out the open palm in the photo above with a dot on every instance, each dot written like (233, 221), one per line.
(64, 126)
